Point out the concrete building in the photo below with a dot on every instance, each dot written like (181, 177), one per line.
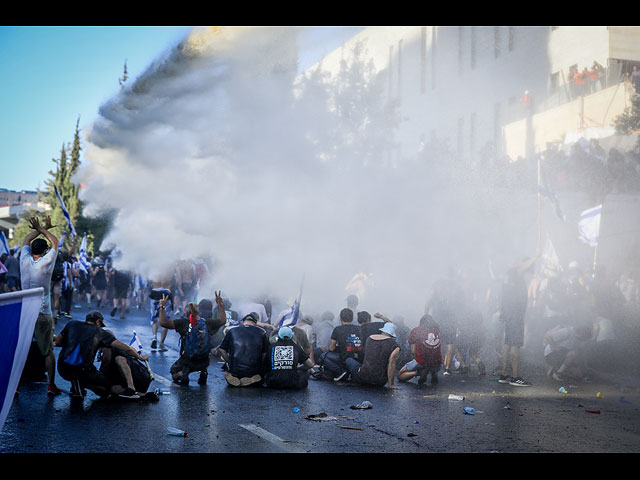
(464, 85)
(13, 204)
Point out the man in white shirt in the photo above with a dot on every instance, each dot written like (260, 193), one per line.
(37, 259)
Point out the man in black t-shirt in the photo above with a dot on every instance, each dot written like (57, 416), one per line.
(367, 327)
(282, 362)
(244, 349)
(186, 364)
(80, 342)
(345, 349)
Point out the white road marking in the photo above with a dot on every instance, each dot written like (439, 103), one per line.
(270, 437)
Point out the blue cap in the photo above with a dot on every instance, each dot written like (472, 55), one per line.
(285, 332)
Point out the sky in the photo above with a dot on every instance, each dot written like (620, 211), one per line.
(52, 76)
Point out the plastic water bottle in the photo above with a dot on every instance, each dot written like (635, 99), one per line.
(469, 411)
(456, 397)
(176, 432)
(159, 391)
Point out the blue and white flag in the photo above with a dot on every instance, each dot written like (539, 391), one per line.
(4, 245)
(82, 255)
(290, 318)
(589, 225)
(65, 212)
(61, 242)
(19, 312)
(135, 343)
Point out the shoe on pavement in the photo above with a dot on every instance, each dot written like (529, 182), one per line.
(504, 379)
(519, 382)
(202, 380)
(53, 390)
(154, 344)
(447, 372)
(246, 381)
(340, 377)
(129, 394)
(162, 348)
(231, 380)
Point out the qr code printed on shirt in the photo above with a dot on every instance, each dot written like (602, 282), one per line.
(283, 353)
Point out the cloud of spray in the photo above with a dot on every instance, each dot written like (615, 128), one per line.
(214, 156)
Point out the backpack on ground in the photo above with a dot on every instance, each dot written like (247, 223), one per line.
(197, 342)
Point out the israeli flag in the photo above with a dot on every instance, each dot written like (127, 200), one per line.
(589, 225)
(61, 242)
(4, 245)
(290, 318)
(3, 269)
(19, 312)
(135, 343)
(82, 255)
(65, 212)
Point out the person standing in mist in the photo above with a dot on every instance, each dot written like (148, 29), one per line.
(513, 307)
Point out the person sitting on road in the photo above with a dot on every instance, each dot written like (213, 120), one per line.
(345, 350)
(283, 360)
(564, 352)
(244, 349)
(424, 341)
(300, 337)
(198, 358)
(80, 341)
(115, 370)
(379, 363)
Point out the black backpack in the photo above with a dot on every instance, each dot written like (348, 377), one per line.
(58, 270)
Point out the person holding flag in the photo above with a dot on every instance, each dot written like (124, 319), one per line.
(37, 260)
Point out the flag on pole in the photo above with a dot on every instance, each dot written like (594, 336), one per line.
(290, 318)
(82, 255)
(19, 312)
(549, 264)
(4, 245)
(135, 343)
(589, 225)
(64, 234)
(546, 191)
(65, 212)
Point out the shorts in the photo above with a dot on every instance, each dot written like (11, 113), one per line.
(120, 291)
(56, 287)
(514, 332)
(43, 332)
(13, 282)
(193, 365)
(414, 366)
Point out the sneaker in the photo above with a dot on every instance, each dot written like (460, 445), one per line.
(162, 348)
(154, 344)
(113, 312)
(129, 394)
(231, 380)
(504, 379)
(447, 372)
(202, 380)
(519, 382)
(53, 390)
(67, 315)
(340, 377)
(151, 396)
(246, 381)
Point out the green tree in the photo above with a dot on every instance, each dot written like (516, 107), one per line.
(628, 122)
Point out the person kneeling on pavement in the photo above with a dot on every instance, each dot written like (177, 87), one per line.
(80, 342)
(244, 348)
(195, 330)
(282, 361)
(118, 373)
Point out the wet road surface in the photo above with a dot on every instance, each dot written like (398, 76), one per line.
(591, 417)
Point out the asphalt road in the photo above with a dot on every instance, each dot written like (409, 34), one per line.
(590, 418)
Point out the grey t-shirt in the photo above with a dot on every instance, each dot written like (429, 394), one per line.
(37, 273)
